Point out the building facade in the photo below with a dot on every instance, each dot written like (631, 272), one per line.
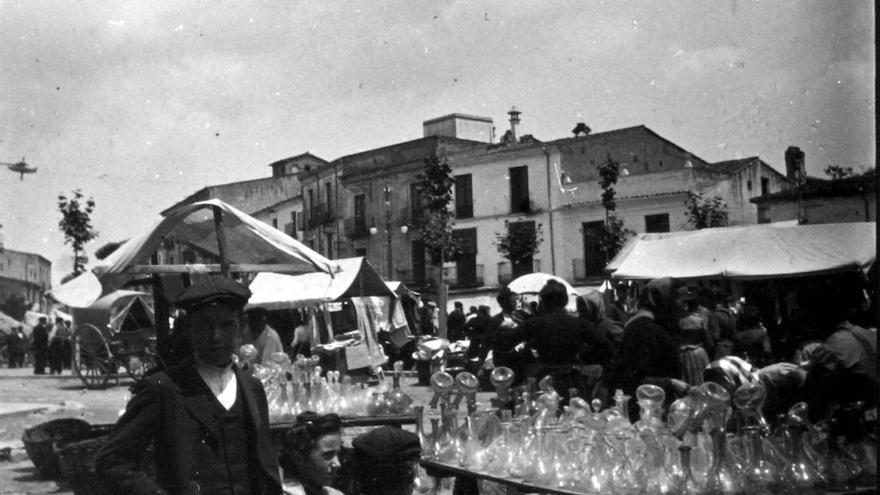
(853, 199)
(25, 276)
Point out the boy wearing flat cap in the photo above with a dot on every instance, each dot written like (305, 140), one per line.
(386, 460)
(208, 422)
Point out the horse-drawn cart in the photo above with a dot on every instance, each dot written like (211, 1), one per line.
(117, 330)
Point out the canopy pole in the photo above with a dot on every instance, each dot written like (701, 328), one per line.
(221, 241)
(161, 312)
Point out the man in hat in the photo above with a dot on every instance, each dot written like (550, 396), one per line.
(208, 422)
(386, 460)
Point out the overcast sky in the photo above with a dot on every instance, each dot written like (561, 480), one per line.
(141, 103)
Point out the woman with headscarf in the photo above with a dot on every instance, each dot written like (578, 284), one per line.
(310, 455)
(591, 307)
(648, 352)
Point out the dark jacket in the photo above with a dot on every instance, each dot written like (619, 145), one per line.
(561, 339)
(172, 409)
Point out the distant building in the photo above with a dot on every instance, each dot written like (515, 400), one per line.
(27, 276)
(853, 199)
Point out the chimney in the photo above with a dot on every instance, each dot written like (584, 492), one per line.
(581, 128)
(794, 164)
(514, 120)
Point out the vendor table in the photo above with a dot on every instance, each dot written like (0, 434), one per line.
(347, 421)
(441, 470)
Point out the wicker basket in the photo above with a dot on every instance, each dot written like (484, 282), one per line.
(77, 461)
(43, 441)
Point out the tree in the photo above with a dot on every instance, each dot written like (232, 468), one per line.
(16, 307)
(705, 212)
(436, 183)
(519, 244)
(835, 172)
(76, 224)
(614, 234)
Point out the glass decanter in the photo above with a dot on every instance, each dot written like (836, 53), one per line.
(399, 402)
(687, 485)
(762, 474)
(425, 440)
(501, 378)
(446, 442)
(724, 475)
(522, 465)
(749, 400)
(650, 400)
(800, 475)
(443, 385)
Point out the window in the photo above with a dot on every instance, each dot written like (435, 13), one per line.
(360, 213)
(311, 207)
(594, 260)
(293, 222)
(657, 223)
(466, 260)
(275, 223)
(330, 246)
(328, 193)
(464, 198)
(361, 251)
(415, 201)
(526, 265)
(765, 186)
(519, 189)
(749, 185)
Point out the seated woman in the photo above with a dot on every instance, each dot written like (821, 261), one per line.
(310, 455)
(386, 461)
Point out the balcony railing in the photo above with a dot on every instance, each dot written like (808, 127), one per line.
(505, 271)
(456, 280)
(356, 227)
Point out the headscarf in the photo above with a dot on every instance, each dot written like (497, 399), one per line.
(659, 297)
(731, 372)
(591, 307)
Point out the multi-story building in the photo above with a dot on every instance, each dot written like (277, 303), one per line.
(25, 276)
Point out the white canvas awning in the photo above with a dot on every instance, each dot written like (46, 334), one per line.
(749, 252)
(212, 229)
(355, 278)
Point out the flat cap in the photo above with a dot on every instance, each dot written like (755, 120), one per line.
(387, 444)
(213, 291)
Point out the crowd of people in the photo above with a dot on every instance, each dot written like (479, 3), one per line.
(676, 337)
(207, 421)
(48, 346)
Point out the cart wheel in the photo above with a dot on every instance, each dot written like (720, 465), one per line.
(139, 364)
(91, 356)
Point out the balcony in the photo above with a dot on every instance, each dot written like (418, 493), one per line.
(324, 214)
(458, 279)
(356, 227)
(506, 275)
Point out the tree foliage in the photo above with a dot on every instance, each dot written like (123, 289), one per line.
(835, 172)
(609, 172)
(519, 244)
(705, 212)
(614, 235)
(15, 306)
(436, 183)
(76, 224)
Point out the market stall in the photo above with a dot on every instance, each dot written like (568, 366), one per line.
(345, 311)
(206, 238)
(748, 252)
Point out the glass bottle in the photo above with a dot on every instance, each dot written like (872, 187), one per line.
(749, 400)
(761, 474)
(435, 438)
(687, 485)
(399, 402)
(724, 474)
(424, 440)
(446, 442)
(800, 474)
